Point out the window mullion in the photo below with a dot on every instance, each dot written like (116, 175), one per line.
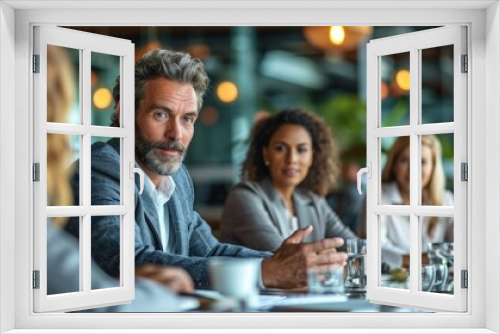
(414, 167)
(85, 176)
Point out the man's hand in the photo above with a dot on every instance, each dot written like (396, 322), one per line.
(288, 267)
(176, 279)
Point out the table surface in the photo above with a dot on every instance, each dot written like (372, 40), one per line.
(277, 300)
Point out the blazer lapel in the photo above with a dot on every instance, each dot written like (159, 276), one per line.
(305, 214)
(178, 224)
(275, 208)
(148, 202)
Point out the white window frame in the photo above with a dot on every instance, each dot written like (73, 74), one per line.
(87, 44)
(482, 18)
(413, 43)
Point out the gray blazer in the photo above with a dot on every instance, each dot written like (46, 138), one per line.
(254, 216)
(194, 241)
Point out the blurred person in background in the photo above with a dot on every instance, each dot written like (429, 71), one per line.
(169, 90)
(291, 165)
(395, 230)
(345, 199)
(63, 256)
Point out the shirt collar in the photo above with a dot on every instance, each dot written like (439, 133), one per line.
(163, 192)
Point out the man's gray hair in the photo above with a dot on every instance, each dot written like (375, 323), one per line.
(172, 65)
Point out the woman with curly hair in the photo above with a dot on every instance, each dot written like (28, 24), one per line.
(291, 165)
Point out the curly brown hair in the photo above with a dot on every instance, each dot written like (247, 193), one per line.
(322, 176)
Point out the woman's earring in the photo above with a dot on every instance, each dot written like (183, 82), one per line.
(266, 163)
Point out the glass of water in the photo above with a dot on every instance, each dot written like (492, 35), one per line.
(356, 265)
(325, 281)
(442, 255)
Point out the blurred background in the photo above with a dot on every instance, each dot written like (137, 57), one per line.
(260, 70)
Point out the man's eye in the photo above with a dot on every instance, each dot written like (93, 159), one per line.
(160, 115)
(189, 119)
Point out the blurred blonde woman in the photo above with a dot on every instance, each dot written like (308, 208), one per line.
(60, 95)
(395, 230)
(63, 249)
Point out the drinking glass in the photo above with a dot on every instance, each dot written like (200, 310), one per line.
(428, 277)
(329, 281)
(442, 253)
(356, 265)
(441, 278)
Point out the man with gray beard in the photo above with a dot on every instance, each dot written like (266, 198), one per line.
(169, 90)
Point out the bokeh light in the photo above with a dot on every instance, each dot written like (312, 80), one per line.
(102, 98)
(337, 35)
(209, 115)
(403, 79)
(227, 92)
(384, 90)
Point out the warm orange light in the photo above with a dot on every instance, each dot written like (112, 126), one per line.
(200, 51)
(102, 98)
(384, 90)
(209, 115)
(403, 79)
(337, 35)
(227, 92)
(93, 78)
(320, 37)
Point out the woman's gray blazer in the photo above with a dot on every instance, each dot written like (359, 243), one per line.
(254, 216)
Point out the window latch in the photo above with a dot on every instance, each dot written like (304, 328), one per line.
(368, 171)
(133, 170)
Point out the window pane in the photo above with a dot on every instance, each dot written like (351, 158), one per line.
(437, 84)
(395, 89)
(395, 250)
(105, 70)
(437, 244)
(437, 174)
(395, 166)
(110, 195)
(62, 152)
(63, 258)
(63, 83)
(106, 234)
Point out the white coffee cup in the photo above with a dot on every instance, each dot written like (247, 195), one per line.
(235, 277)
